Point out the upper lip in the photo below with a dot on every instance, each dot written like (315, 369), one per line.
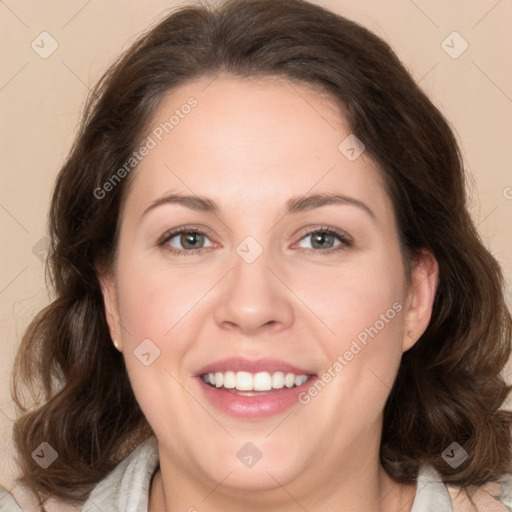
(239, 364)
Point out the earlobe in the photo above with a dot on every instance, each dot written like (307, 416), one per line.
(108, 290)
(421, 296)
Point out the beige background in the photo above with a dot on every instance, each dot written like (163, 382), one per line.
(41, 99)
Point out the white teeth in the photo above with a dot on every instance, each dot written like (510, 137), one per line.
(300, 379)
(243, 381)
(229, 380)
(278, 380)
(261, 381)
(289, 380)
(219, 379)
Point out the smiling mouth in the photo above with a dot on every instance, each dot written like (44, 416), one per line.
(254, 395)
(254, 384)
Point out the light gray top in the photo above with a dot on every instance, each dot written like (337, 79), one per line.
(126, 488)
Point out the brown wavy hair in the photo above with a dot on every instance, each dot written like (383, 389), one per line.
(448, 386)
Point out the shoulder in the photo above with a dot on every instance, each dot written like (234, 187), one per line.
(127, 486)
(432, 495)
(493, 496)
(7, 501)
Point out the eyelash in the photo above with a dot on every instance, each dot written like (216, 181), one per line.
(345, 240)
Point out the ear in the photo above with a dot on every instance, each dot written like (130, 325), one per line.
(109, 292)
(420, 297)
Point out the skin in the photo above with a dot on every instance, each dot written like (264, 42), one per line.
(250, 146)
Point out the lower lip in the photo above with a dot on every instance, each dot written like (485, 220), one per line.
(254, 407)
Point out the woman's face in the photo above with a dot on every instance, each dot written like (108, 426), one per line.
(256, 280)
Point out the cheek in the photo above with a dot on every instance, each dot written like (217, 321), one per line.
(362, 306)
(159, 309)
(155, 309)
(350, 298)
(156, 299)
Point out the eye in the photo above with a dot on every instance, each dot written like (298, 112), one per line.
(324, 240)
(187, 240)
(184, 240)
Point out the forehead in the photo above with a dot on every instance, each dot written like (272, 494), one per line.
(251, 140)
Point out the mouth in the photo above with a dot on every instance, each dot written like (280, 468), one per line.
(253, 390)
(248, 384)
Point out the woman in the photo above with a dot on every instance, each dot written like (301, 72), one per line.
(269, 294)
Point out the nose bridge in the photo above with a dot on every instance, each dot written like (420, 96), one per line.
(252, 296)
(250, 266)
(251, 280)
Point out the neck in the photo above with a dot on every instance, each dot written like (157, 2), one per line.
(380, 493)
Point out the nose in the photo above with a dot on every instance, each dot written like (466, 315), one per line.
(252, 298)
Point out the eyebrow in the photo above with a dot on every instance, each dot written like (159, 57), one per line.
(295, 204)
